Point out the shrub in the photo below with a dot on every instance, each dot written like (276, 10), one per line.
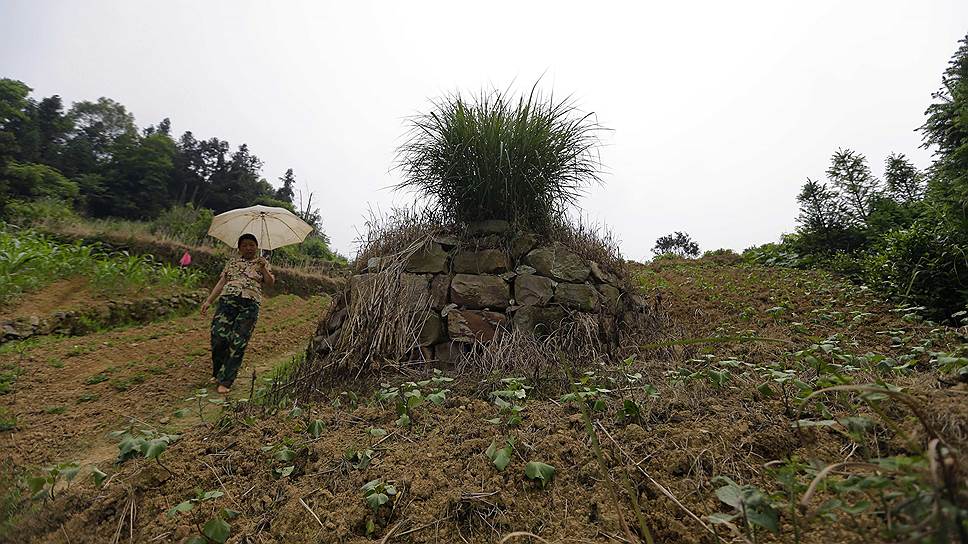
(492, 157)
(926, 265)
(679, 244)
(49, 211)
(185, 223)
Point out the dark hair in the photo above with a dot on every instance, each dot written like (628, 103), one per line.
(248, 236)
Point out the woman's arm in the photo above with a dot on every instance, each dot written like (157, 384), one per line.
(216, 291)
(267, 278)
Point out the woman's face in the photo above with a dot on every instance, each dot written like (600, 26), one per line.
(248, 248)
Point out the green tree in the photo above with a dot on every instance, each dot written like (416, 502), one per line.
(13, 112)
(679, 244)
(904, 182)
(946, 128)
(287, 191)
(28, 181)
(138, 177)
(859, 189)
(101, 124)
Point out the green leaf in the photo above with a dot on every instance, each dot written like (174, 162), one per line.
(181, 507)
(209, 495)
(765, 516)
(182, 413)
(720, 517)
(228, 513)
(376, 500)
(316, 428)
(155, 448)
(36, 483)
(285, 454)
(502, 458)
(403, 421)
(371, 485)
(493, 421)
(536, 470)
(197, 539)
(70, 471)
(730, 494)
(98, 477)
(377, 432)
(286, 471)
(438, 398)
(491, 450)
(217, 529)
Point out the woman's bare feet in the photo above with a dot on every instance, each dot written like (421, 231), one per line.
(222, 390)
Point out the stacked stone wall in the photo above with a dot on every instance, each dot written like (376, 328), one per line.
(484, 284)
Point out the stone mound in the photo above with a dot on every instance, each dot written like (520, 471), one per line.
(447, 297)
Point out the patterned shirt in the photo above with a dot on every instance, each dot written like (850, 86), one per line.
(243, 279)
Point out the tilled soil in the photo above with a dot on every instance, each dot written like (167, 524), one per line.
(69, 392)
(288, 480)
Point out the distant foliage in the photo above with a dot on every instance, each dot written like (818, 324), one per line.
(679, 244)
(93, 160)
(907, 234)
(492, 156)
(186, 223)
(29, 261)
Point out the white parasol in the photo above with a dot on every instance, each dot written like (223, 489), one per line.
(272, 227)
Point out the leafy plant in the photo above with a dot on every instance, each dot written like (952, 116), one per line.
(500, 456)
(749, 503)
(42, 486)
(216, 529)
(376, 494)
(541, 472)
(510, 401)
(146, 443)
(493, 157)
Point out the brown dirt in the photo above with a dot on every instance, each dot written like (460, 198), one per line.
(72, 294)
(101, 381)
(448, 490)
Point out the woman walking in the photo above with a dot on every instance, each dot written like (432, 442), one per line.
(238, 309)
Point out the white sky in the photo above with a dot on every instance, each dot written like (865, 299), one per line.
(719, 110)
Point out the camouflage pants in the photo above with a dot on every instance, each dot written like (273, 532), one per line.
(232, 326)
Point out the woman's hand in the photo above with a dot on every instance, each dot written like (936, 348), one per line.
(205, 306)
(263, 263)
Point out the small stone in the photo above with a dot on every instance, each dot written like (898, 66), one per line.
(523, 270)
(558, 262)
(522, 244)
(579, 296)
(485, 261)
(600, 275)
(477, 292)
(431, 259)
(532, 290)
(473, 325)
(537, 319)
(610, 297)
(439, 287)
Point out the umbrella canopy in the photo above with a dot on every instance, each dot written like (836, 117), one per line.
(272, 227)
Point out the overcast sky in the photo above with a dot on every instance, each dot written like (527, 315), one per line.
(719, 110)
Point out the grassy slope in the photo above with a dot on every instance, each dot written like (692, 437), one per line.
(711, 417)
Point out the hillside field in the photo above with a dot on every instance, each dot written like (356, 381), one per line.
(776, 406)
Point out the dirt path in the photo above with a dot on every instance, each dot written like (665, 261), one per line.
(68, 393)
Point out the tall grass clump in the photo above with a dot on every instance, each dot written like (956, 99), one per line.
(524, 160)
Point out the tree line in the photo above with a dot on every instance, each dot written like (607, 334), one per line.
(93, 157)
(905, 232)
